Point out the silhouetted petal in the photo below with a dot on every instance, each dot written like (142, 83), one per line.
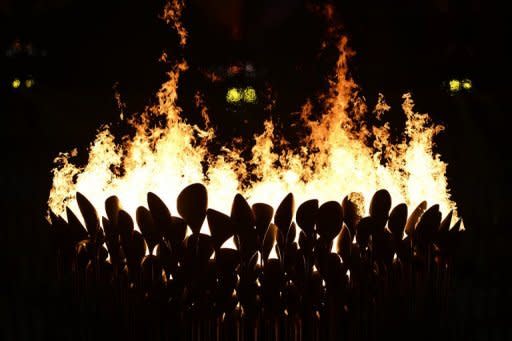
(192, 205)
(125, 223)
(306, 216)
(306, 244)
(397, 220)
(284, 214)
(167, 258)
(201, 244)
(330, 268)
(160, 213)
(263, 214)
(111, 231)
(112, 207)
(78, 231)
(351, 212)
(292, 232)
(221, 227)
(364, 228)
(112, 241)
(383, 247)
(176, 231)
(147, 227)
(92, 223)
(135, 249)
(227, 259)
(329, 220)
(445, 224)
(414, 217)
(379, 208)
(242, 214)
(427, 225)
(151, 273)
(83, 254)
(269, 240)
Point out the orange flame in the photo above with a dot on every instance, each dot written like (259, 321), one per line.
(173, 11)
(336, 158)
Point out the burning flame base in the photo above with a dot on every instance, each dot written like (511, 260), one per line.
(258, 275)
(339, 153)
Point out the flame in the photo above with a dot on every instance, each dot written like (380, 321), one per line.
(173, 11)
(229, 244)
(340, 155)
(273, 252)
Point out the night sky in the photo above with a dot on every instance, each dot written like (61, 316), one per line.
(83, 49)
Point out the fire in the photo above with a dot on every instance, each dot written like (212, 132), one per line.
(341, 155)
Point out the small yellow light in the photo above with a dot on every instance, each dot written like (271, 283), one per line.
(29, 83)
(16, 83)
(250, 95)
(233, 95)
(454, 85)
(467, 84)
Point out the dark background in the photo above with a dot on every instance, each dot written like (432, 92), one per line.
(83, 48)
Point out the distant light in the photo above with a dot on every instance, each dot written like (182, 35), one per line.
(16, 83)
(250, 95)
(233, 95)
(234, 69)
(249, 68)
(467, 84)
(29, 83)
(454, 85)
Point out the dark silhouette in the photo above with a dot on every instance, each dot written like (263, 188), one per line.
(270, 284)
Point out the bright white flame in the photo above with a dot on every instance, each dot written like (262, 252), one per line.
(188, 232)
(229, 244)
(205, 229)
(273, 252)
(461, 227)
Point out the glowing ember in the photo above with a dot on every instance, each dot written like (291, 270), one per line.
(340, 155)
